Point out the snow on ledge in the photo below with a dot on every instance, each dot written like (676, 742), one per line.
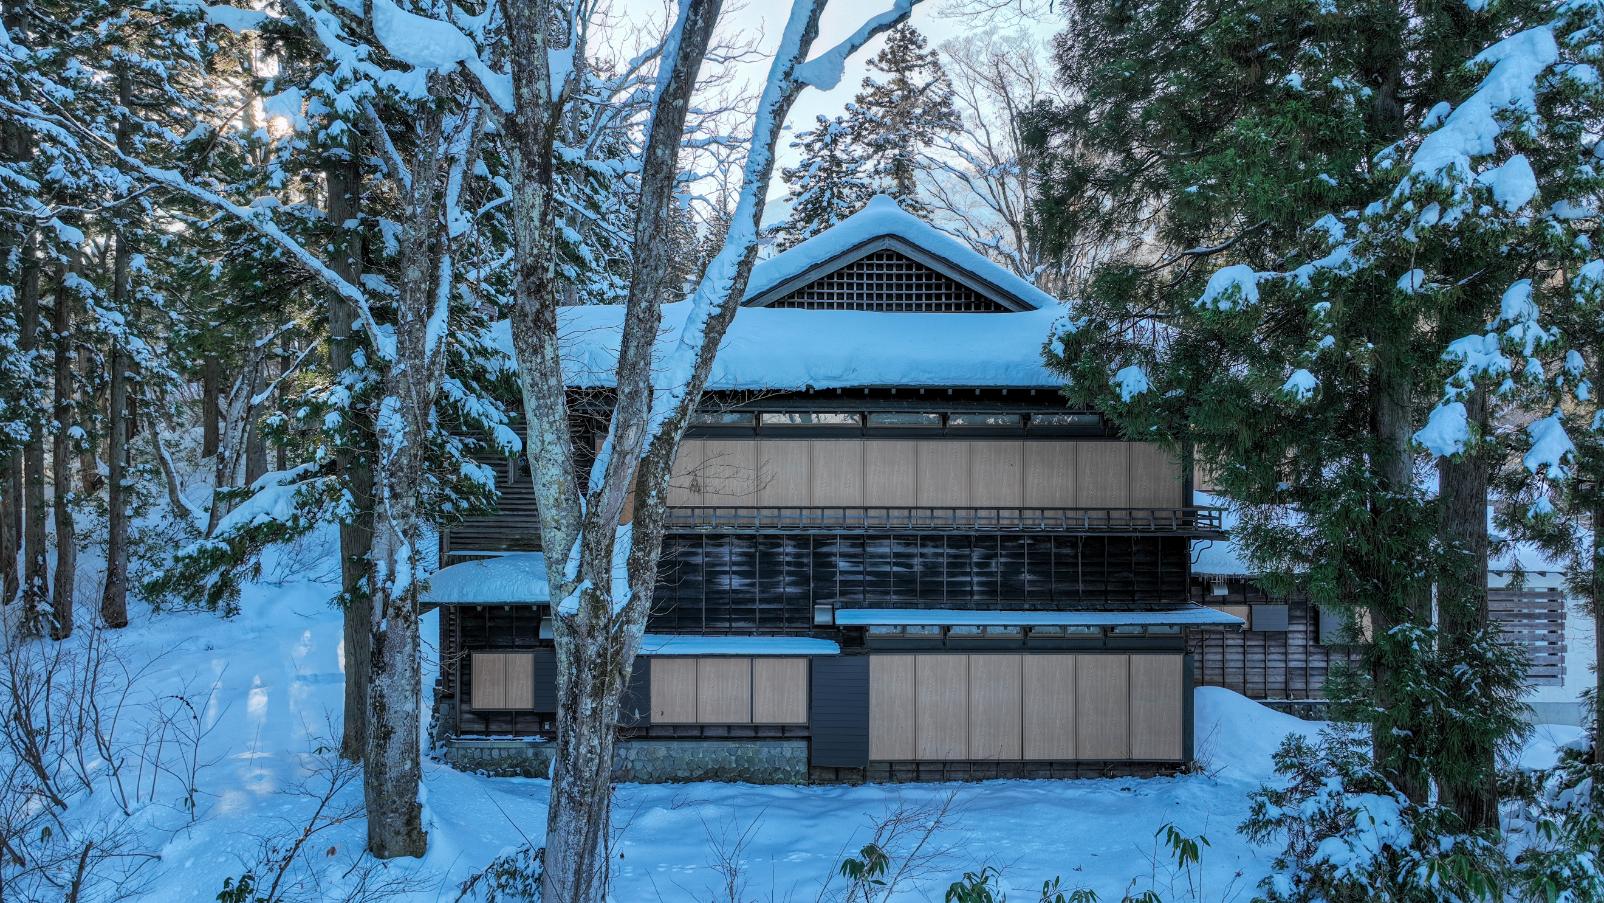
(785, 348)
(515, 579)
(1190, 616)
(677, 644)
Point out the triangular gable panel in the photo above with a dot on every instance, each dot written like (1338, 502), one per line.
(888, 274)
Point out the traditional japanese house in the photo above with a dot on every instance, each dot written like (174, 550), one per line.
(1289, 648)
(894, 553)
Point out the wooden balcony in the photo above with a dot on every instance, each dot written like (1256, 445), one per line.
(1198, 522)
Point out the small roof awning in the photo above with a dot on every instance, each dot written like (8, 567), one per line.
(518, 578)
(1189, 616)
(686, 644)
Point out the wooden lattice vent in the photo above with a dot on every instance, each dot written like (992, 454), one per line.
(888, 281)
(1533, 619)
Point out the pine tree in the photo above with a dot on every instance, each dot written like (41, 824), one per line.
(1303, 370)
(829, 184)
(894, 121)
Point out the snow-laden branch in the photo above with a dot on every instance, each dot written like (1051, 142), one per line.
(824, 71)
(720, 286)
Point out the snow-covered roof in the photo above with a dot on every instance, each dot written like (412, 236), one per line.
(794, 349)
(882, 223)
(1187, 616)
(683, 644)
(515, 579)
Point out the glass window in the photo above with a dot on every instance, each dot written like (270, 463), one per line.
(814, 418)
(904, 418)
(996, 421)
(722, 418)
(1065, 421)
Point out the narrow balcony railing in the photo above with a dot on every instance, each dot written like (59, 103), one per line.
(1191, 521)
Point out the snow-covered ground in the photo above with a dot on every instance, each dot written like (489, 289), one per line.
(276, 670)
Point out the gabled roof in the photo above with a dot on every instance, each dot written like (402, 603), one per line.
(881, 225)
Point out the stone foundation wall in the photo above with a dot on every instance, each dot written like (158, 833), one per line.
(648, 761)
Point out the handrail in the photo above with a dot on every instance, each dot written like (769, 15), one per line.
(727, 518)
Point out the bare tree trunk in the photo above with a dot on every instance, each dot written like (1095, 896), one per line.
(61, 455)
(286, 360)
(1596, 566)
(596, 643)
(255, 446)
(36, 565)
(1462, 607)
(344, 184)
(211, 413)
(392, 771)
(1399, 600)
(10, 529)
(114, 598)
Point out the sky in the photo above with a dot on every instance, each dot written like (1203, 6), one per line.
(937, 20)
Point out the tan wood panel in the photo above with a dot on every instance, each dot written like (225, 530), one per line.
(520, 693)
(891, 472)
(1155, 477)
(783, 472)
(1245, 612)
(996, 697)
(1049, 706)
(489, 686)
(729, 472)
(684, 483)
(997, 473)
(779, 690)
(941, 707)
(891, 707)
(943, 473)
(1102, 474)
(724, 690)
(1156, 688)
(838, 472)
(1102, 706)
(673, 683)
(1050, 474)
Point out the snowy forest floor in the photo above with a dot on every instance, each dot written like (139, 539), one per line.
(269, 685)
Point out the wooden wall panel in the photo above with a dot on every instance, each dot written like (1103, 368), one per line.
(997, 473)
(724, 690)
(784, 473)
(890, 473)
(1050, 474)
(489, 687)
(1156, 715)
(1155, 477)
(1049, 707)
(1102, 706)
(779, 690)
(1102, 474)
(684, 484)
(943, 474)
(729, 472)
(838, 472)
(996, 697)
(673, 690)
(941, 710)
(891, 707)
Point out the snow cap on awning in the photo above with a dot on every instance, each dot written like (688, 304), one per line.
(686, 644)
(518, 578)
(1189, 616)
